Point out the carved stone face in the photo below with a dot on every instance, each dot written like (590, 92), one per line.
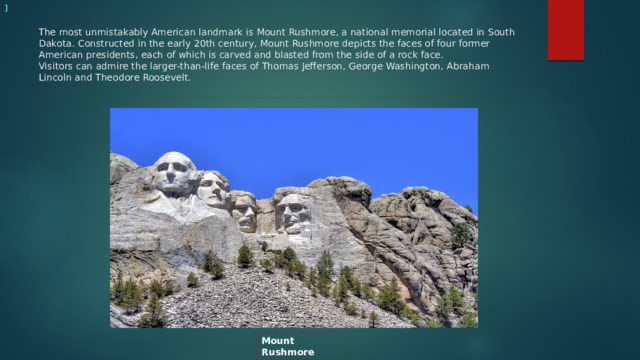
(213, 191)
(173, 173)
(292, 214)
(244, 212)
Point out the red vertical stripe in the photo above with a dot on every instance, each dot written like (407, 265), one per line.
(566, 29)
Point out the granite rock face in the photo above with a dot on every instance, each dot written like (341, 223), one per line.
(179, 214)
(118, 166)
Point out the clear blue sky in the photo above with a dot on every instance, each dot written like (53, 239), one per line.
(259, 150)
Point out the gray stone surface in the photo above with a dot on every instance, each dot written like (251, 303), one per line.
(406, 236)
(118, 166)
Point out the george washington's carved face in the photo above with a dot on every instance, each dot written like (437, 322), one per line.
(173, 174)
(292, 214)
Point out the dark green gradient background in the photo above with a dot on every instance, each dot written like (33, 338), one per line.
(558, 187)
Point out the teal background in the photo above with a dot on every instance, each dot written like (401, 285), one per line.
(558, 187)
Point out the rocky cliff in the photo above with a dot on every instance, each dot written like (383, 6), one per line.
(174, 214)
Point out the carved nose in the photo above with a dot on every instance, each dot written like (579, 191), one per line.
(249, 212)
(287, 211)
(170, 170)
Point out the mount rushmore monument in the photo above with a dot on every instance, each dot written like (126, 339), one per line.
(178, 213)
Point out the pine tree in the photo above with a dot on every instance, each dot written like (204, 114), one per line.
(118, 289)
(468, 321)
(346, 272)
(461, 234)
(192, 280)
(245, 257)
(217, 270)
(323, 286)
(325, 265)
(373, 320)
(266, 265)
(154, 316)
(312, 275)
(459, 305)
(356, 288)
(156, 288)
(132, 296)
(208, 262)
(389, 297)
(343, 287)
(367, 292)
(169, 288)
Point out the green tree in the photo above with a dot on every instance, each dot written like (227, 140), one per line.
(288, 287)
(279, 260)
(300, 269)
(208, 262)
(266, 265)
(343, 288)
(461, 234)
(312, 275)
(323, 285)
(434, 324)
(335, 296)
(245, 257)
(132, 296)
(118, 288)
(290, 255)
(367, 292)
(356, 288)
(373, 320)
(468, 321)
(346, 272)
(263, 245)
(325, 265)
(389, 297)
(350, 308)
(459, 305)
(156, 288)
(469, 208)
(154, 316)
(192, 280)
(217, 270)
(314, 291)
(169, 287)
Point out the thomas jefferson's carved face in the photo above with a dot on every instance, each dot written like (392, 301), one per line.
(173, 173)
(244, 212)
(213, 191)
(292, 214)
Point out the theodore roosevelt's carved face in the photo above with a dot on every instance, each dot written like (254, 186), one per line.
(173, 174)
(244, 212)
(292, 214)
(213, 190)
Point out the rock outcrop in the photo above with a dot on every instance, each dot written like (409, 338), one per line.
(179, 214)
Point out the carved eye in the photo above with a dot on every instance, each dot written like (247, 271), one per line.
(206, 183)
(162, 167)
(296, 207)
(179, 167)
